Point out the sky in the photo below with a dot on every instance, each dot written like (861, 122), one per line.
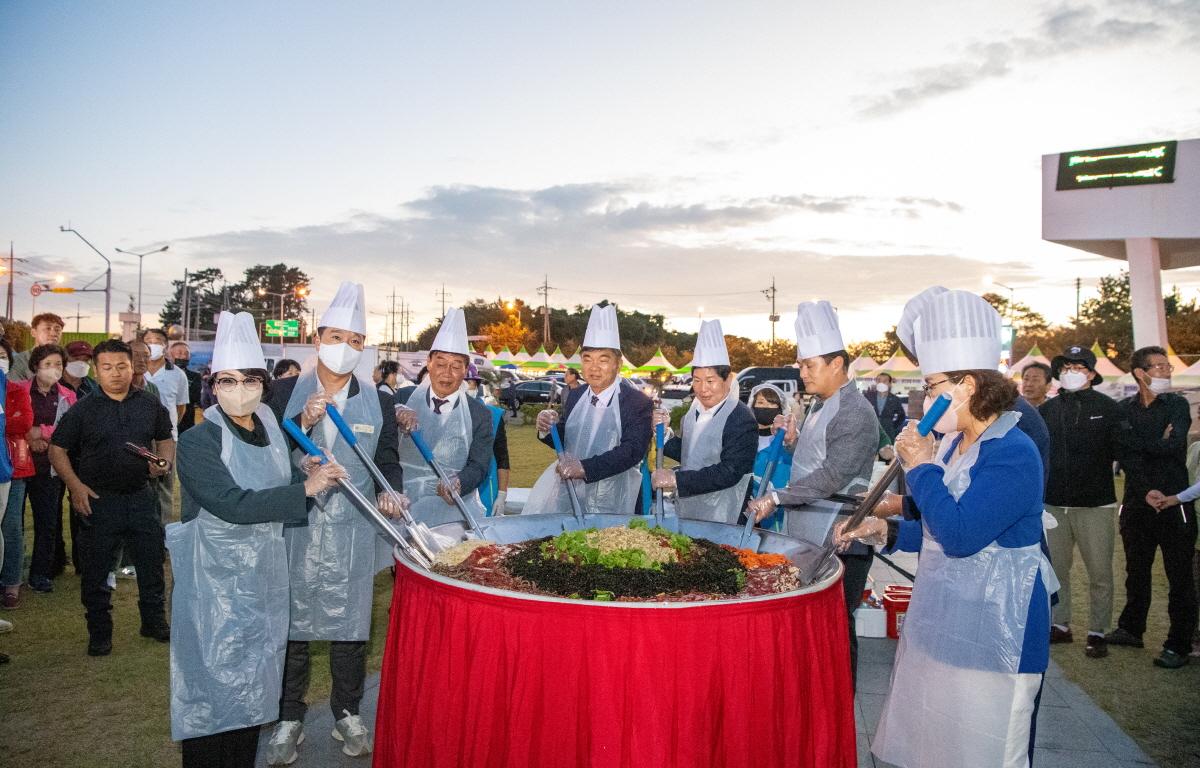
(673, 157)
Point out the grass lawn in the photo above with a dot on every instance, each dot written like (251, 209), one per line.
(60, 707)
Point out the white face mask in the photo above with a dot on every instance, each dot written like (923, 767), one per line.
(78, 368)
(49, 376)
(239, 402)
(882, 388)
(1073, 380)
(156, 351)
(339, 358)
(949, 420)
(1159, 386)
(4, 364)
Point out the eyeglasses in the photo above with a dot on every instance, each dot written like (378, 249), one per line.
(928, 388)
(228, 385)
(1160, 367)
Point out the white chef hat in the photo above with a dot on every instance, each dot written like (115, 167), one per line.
(710, 346)
(910, 318)
(957, 331)
(348, 310)
(452, 336)
(602, 332)
(237, 344)
(817, 330)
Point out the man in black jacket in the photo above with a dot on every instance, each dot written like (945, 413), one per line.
(888, 407)
(1152, 448)
(1079, 492)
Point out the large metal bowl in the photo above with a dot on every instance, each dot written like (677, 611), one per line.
(818, 568)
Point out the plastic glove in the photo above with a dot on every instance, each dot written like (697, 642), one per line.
(392, 504)
(791, 430)
(914, 449)
(761, 508)
(448, 493)
(887, 453)
(571, 468)
(546, 420)
(314, 409)
(406, 419)
(660, 416)
(663, 479)
(324, 477)
(872, 532)
(499, 506)
(890, 505)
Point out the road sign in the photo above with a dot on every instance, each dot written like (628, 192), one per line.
(285, 328)
(36, 289)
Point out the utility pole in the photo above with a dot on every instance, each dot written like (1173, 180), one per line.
(8, 312)
(443, 296)
(183, 314)
(107, 275)
(76, 317)
(1078, 289)
(393, 326)
(544, 290)
(774, 318)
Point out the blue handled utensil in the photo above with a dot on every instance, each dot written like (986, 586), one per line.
(661, 519)
(440, 471)
(372, 513)
(572, 492)
(774, 453)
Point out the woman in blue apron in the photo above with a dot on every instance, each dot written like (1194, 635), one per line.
(769, 403)
(975, 643)
(229, 604)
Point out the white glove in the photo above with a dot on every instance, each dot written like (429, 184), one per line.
(498, 507)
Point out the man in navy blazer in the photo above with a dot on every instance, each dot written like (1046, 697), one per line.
(888, 408)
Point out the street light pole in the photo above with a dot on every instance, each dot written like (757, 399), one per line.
(140, 255)
(107, 275)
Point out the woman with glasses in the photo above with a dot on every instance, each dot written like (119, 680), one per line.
(975, 641)
(230, 599)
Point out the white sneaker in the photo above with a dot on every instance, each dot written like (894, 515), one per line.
(5, 626)
(112, 581)
(128, 572)
(354, 735)
(287, 736)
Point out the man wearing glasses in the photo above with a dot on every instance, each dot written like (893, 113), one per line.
(1152, 446)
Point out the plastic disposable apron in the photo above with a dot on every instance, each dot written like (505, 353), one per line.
(449, 438)
(589, 434)
(334, 558)
(229, 605)
(955, 681)
(813, 522)
(702, 445)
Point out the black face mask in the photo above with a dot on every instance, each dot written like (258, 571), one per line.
(183, 362)
(765, 416)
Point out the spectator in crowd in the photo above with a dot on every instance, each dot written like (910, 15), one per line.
(1155, 512)
(1079, 494)
(172, 386)
(494, 490)
(181, 355)
(5, 478)
(285, 368)
(1035, 383)
(571, 379)
(389, 376)
(49, 401)
(18, 420)
(888, 408)
(77, 373)
(141, 363)
(47, 329)
(109, 488)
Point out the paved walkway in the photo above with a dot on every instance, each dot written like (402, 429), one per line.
(1072, 731)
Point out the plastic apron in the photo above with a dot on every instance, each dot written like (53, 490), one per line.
(333, 559)
(813, 522)
(955, 682)
(587, 436)
(702, 444)
(229, 604)
(450, 441)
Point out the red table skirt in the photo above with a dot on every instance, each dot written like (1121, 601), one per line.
(481, 679)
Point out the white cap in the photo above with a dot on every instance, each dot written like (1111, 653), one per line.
(958, 331)
(710, 346)
(452, 336)
(237, 344)
(910, 318)
(602, 330)
(348, 310)
(817, 330)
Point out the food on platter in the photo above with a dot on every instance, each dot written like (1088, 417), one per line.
(633, 563)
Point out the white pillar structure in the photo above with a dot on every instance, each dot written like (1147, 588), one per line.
(1140, 204)
(1145, 292)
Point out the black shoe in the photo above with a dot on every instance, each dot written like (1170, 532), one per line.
(1060, 635)
(1122, 636)
(1097, 647)
(1170, 660)
(3, 658)
(99, 647)
(160, 632)
(40, 584)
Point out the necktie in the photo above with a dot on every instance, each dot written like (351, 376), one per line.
(595, 399)
(438, 403)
